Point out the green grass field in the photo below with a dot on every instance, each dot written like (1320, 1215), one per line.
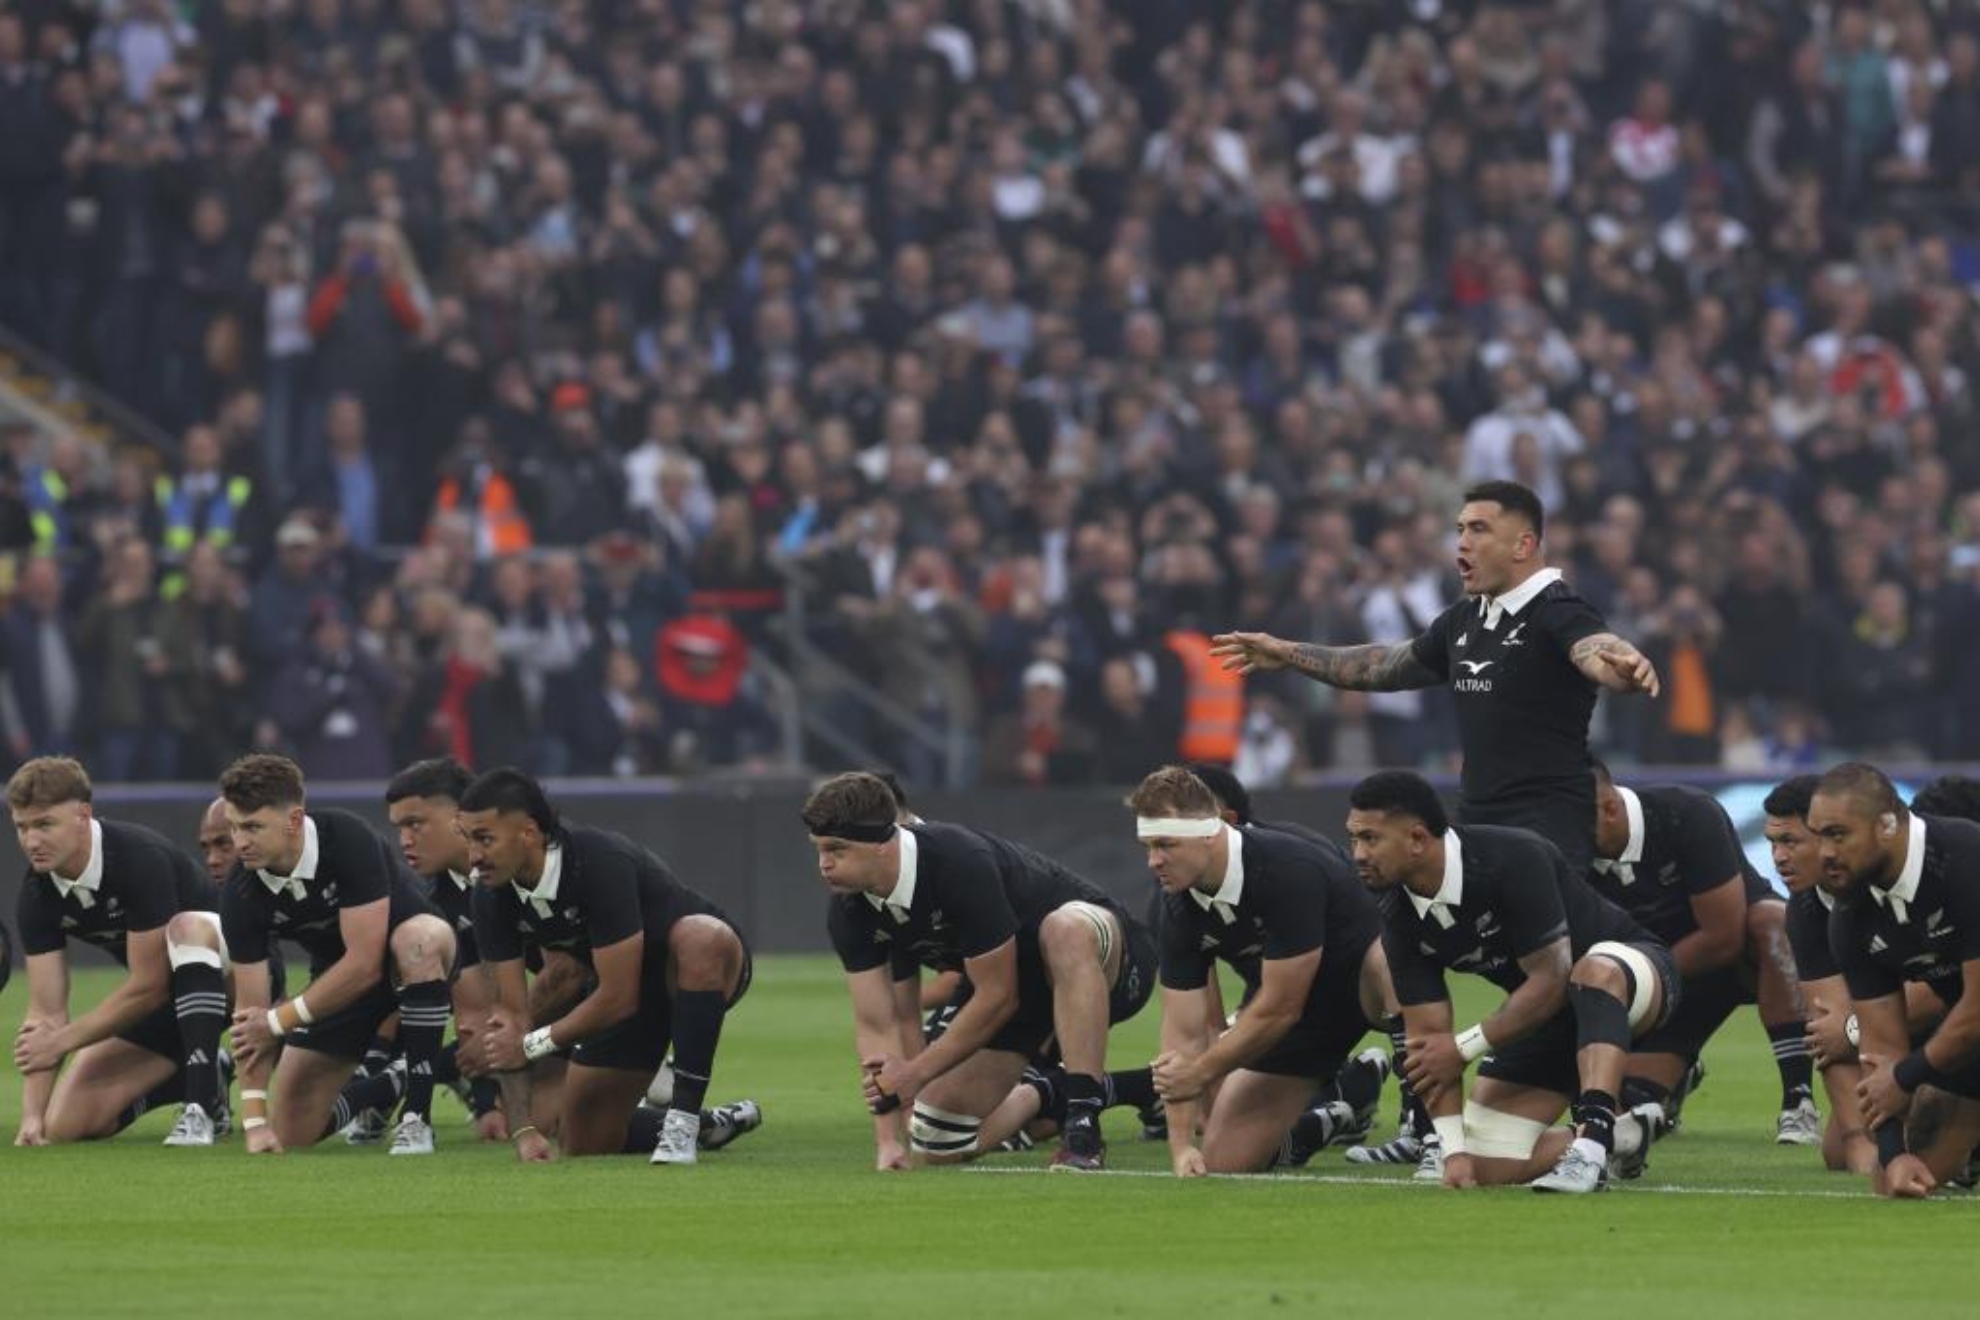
(792, 1222)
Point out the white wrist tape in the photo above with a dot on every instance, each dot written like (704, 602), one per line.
(1450, 1133)
(303, 1015)
(538, 1043)
(250, 1124)
(274, 1023)
(1850, 1030)
(1472, 1044)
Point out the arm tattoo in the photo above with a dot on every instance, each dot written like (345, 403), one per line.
(1600, 644)
(1374, 668)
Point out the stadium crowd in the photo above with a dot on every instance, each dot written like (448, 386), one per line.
(522, 359)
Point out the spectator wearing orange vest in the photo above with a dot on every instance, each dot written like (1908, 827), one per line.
(1213, 707)
(477, 487)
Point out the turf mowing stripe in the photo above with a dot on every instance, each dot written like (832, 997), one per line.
(1344, 1180)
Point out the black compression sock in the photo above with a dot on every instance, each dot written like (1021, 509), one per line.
(1595, 1115)
(361, 1093)
(199, 997)
(447, 1068)
(698, 1018)
(171, 1091)
(378, 1056)
(1131, 1086)
(423, 1010)
(1789, 1040)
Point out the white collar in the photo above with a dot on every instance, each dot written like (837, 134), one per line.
(1905, 888)
(461, 882)
(1231, 892)
(1632, 852)
(545, 892)
(1451, 892)
(1828, 900)
(92, 872)
(1512, 602)
(305, 865)
(902, 898)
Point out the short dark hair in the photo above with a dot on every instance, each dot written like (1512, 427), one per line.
(1866, 783)
(262, 779)
(893, 783)
(506, 789)
(854, 798)
(1949, 795)
(1226, 787)
(1790, 797)
(1173, 791)
(441, 777)
(49, 781)
(1401, 793)
(1513, 498)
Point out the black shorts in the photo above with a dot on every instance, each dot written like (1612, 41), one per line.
(348, 1032)
(1564, 820)
(1547, 1059)
(158, 1032)
(1544, 1059)
(1706, 1002)
(1327, 1032)
(1032, 1030)
(1964, 1083)
(640, 1043)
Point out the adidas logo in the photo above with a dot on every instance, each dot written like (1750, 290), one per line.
(1877, 944)
(197, 1059)
(422, 1070)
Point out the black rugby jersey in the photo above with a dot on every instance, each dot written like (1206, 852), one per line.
(1506, 894)
(1523, 708)
(136, 880)
(344, 864)
(961, 894)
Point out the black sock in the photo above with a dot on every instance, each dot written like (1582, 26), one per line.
(423, 1010)
(199, 996)
(447, 1068)
(378, 1056)
(1414, 1118)
(171, 1091)
(1050, 1084)
(484, 1096)
(378, 1092)
(1595, 1115)
(1131, 1086)
(1789, 1040)
(1085, 1093)
(643, 1130)
(1359, 1085)
(1642, 1091)
(698, 1018)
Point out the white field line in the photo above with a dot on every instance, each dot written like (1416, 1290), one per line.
(1407, 1184)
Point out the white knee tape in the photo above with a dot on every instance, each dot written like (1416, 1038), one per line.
(184, 955)
(1097, 917)
(1496, 1135)
(1641, 968)
(935, 1131)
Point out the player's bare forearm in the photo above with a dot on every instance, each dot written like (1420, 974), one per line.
(1953, 1045)
(518, 1095)
(1609, 661)
(1371, 668)
(1255, 1032)
(36, 1088)
(1538, 998)
(343, 982)
(969, 1032)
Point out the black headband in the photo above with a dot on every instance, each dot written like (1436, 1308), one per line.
(853, 831)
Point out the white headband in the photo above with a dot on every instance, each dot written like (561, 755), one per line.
(1177, 827)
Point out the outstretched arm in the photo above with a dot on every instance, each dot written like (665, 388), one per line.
(1376, 667)
(1610, 661)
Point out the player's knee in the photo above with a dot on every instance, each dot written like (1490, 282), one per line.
(707, 954)
(189, 928)
(942, 1135)
(1072, 936)
(1598, 973)
(423, 948)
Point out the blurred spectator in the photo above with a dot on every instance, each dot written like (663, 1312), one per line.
(45, 674)
(135, 711)
(334, 701)
(1018, 333)
(710, 714)
(1037, 745)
